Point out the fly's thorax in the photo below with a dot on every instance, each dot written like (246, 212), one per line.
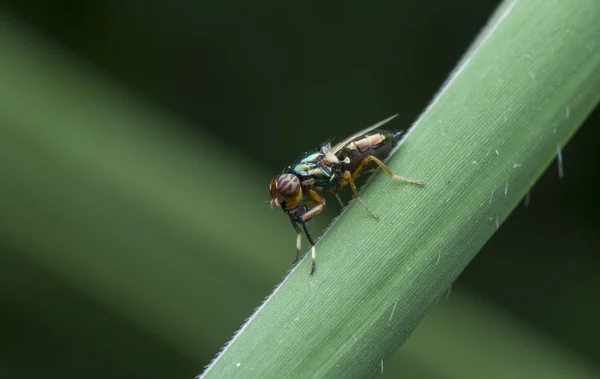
(377, 144)
(312, 172)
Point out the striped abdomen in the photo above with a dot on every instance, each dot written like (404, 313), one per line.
(378, 144)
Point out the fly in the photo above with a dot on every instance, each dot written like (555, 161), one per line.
(331, 169)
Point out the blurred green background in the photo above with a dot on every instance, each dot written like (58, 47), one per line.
(137, 141)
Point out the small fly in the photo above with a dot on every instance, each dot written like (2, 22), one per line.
(331, 169)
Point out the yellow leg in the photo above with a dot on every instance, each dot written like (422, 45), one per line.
(385, 169)
(317, 208)
(349, 179)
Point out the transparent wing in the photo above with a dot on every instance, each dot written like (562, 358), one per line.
(340, 145)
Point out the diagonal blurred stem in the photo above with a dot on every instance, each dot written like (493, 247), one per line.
(519, 94)
(112, 196)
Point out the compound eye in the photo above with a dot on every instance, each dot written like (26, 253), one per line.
(288, 185)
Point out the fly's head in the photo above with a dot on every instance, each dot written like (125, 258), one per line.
(286, 191)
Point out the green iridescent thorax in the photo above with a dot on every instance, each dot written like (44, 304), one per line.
(308, 167)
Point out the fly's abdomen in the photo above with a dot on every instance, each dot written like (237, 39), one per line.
(377, 144)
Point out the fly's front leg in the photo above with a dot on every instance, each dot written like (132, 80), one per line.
(312, 250)
(385, 169)
(298, 241)
(317, 208)
(348, 178)
(307, 216)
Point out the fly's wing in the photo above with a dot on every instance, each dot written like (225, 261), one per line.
(326, 146)
(340, 145)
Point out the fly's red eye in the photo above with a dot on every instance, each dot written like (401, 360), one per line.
(288, 185)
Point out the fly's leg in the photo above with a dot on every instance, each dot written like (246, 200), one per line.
(385, 169)
(317, 208)
(313, 252)
(348, 178)
(307, 216)
(298, 241)
(339, 199)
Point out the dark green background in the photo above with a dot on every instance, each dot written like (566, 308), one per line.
(270, 80)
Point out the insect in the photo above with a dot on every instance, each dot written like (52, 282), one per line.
(330, 169)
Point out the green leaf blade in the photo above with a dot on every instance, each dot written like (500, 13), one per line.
(521, 93)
